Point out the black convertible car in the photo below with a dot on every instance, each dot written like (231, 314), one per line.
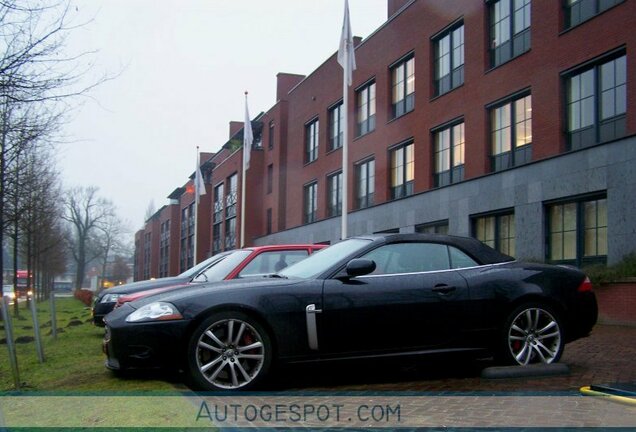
(372, 296)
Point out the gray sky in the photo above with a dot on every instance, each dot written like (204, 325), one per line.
(185, 65)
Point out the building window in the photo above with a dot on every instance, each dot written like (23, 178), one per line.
(365, 183)
(509, 29)
(334, 194)
(402, 171)
(164, 249)
(270, 140)
(183, 244)
(147, 256)
(449, 154)
(230, 234)
(336, 120)
(511, 133)
(268, 227)
(190, 244)
(311, 202)
(497, 231)
(578, 11)
(449, 60)
(597, 103)
(311, 141)
(231, 197)
(217, 219)
(577, 232)
(270, 178)
(365, 107)
(403, 84)
(440, 227)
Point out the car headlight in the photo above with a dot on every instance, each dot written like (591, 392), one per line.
(157, 311)
(109, 298)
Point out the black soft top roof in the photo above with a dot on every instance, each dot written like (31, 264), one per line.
(479, 251)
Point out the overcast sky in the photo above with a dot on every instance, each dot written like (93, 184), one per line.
(183, 67)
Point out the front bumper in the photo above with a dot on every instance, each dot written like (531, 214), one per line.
(158, 344)
(100, 310)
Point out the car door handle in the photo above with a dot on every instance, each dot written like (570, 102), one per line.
(444, 289)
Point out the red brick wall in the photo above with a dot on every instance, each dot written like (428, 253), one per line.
(617, 303)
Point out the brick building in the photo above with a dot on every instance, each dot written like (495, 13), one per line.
(510, 120)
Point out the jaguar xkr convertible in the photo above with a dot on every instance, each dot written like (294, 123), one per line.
(365, 297)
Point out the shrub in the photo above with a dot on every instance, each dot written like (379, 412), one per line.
(85, 296)
(601, 274)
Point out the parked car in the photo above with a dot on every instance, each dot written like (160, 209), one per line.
(382, 295)
(239, 263)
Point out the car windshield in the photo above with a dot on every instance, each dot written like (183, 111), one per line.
(193, 271)
(221, 269)
(320, 261)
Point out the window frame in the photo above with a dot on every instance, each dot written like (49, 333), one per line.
(517, 155)
(400, 81)
(366, 118)
(337, 211)
(456, 72)
(368, 198)
(406, 187)
(580, 258)
(455, 172)
(310, 197)
(596, 5)
(594, 134)
(497, 230)
(312, 140)
(336, 141)
(519, 41)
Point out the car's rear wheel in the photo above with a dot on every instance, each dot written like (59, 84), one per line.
(533, 333)
(229, 351)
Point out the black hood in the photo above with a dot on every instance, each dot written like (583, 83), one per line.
(145, 285)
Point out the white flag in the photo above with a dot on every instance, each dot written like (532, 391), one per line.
(248, 137)
(346, 54)
(199, 185)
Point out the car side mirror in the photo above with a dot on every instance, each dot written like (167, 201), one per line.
(360, 267)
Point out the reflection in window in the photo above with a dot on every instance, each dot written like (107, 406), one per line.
(449, 60)
(402, 171)
(403, 83)
(578, 232)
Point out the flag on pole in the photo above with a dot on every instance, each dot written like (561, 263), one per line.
(346, 54)
(248, 137)
(199, 185)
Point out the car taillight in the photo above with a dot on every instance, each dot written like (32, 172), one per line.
(586, 285)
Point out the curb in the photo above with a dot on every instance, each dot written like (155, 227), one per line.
(538, 370)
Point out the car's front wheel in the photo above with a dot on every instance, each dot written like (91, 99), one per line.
(533, 333)
(229, 351)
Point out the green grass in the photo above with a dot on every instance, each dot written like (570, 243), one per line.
(74, 361)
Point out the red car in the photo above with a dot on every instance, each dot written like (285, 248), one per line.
(241, 263)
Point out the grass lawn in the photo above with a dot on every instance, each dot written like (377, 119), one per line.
(74, 361)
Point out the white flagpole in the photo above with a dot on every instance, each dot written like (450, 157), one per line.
(345, 154)
(346, 58)
(196, 208)
(247, 148)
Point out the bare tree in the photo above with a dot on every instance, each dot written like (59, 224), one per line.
(86, 212)
(36, 80)
(111, 239)
(121, 271)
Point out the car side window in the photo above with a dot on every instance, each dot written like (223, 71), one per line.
(409, 258)
(272, 262)
(459, 259)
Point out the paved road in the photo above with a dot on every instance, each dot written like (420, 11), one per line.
(607, 356)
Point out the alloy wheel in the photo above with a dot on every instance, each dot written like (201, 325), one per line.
(230, 353)
(534, 336)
